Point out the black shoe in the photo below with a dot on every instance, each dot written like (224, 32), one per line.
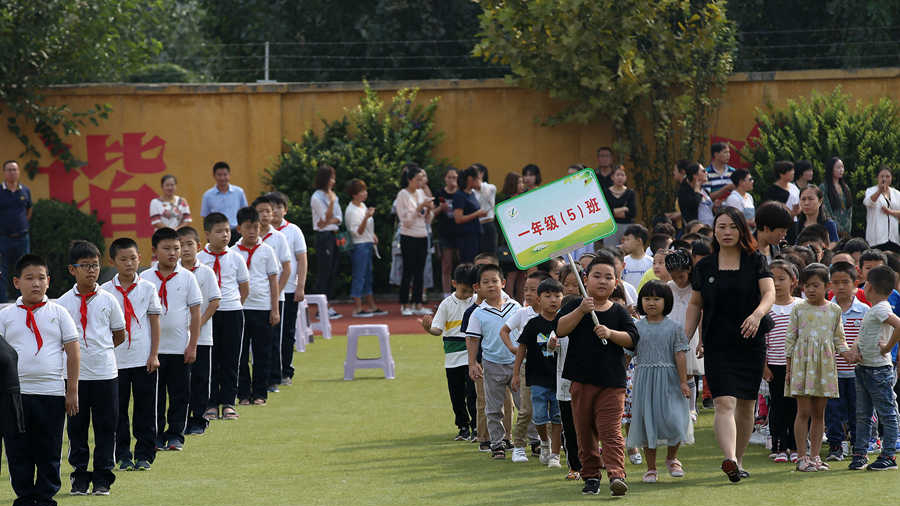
(101, 489)
(498, 453)
(142, 465)
(161, 445)
(882, 463)
(126, 465)
(591, 486)
(858, 463)
(507, 444)
(79, 487)
(195, 430)
(743, 474)
(484, 447)
(708, 403)
(617, 487)
(536, 449)
(175, 445)
(463, 435)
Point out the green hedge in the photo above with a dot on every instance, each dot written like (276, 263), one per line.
(54, 225)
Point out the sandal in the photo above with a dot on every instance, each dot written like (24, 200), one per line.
(243, 402)
(649, 476)
(806, 465)
(675, 468)
(573, 475)
(211, 414)
(821, 466)
(228, 413)
(731, 469)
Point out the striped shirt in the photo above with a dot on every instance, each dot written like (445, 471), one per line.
(448, 319)
(485, 324)
(716, 181)
(852, 321)
(775, 338)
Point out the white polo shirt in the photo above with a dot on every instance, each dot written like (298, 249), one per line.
(183, 293)
(297, 245)
(104, 316)
(232, 272)
(279, 243)
(41, 371)
(263, 264)
(209, 287)
(135, 351)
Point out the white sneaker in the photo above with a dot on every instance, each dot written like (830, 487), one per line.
(545, 453)
(636, 458)
(519, 455)
(407, 311)
(554, 462)
(424, 311)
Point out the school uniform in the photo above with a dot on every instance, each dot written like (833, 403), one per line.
(297, 246)
(34, 455)
(138, 302)
(283, 254)
(97, 315)
(201, 369)
(227, 323)
(178, 293)
(261, 262)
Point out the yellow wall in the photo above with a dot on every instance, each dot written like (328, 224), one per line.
(486, 121)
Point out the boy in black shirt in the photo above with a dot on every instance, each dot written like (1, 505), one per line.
(540, 370)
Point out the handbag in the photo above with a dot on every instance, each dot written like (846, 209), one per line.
(344, 241)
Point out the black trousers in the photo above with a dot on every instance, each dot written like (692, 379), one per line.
(326, 262)
(274, 377)
(201, 385)
(469, 246)
(98, 403)
(228, 332)
(568, 426)
(413, 250)
(462, 396)
(174, 380)
(257, 334)
(288, 335)
(488, 241)
(38, 449)
(782, 412)
(137, 383)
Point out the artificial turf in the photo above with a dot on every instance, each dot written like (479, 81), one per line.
(326, 441)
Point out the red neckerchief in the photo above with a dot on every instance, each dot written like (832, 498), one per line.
(163, 294)
(286, 223)
(31, 323)
(267, 236)
(129, 309)
(250, 251)
(217, 267)
(84, 301)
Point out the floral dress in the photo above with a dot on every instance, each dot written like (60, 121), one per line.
(815, 334)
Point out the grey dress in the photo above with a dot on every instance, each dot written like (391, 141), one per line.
(660, 415)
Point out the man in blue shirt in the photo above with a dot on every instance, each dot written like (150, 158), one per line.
(15, 213)
(224, 198)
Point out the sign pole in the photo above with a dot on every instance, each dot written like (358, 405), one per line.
(581, 286)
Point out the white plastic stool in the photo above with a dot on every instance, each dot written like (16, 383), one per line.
(323, 325)
(353, 362)
(302, 330)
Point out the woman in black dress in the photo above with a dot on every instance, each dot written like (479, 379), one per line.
(734, 290)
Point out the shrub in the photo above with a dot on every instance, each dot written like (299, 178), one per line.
(371, 142)
(161, 73)
(54, 225)
(819, 127)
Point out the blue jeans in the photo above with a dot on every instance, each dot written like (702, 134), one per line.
(361, 259)
(11, 249)
(840, 411)
(875, 391)
(544, 406)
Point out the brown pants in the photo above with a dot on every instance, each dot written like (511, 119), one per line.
(598, 418)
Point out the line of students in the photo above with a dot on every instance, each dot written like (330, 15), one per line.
(174, 341)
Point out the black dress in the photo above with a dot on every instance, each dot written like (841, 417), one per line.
(734, 365)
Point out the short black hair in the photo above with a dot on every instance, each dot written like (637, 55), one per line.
(220, 165)
(801, 167)
(484, 268)
(617, 293)
(612, 252)
(566, 270)
(663, 227)
(462, 275)
(549, 285)
(79, 250)
(659, 241)
(547, 265)
(120, 244)
(680, 244)
(716, 147)
(213, 219)
(772, 215)
(893, 260)
(738, 175)
(246, 214)
(188, 231)
(783, 166)
(539, 275)
(815, 270)
(491, 256)
(813, 233)
(602, 258)
(787, 267)
(279, 198)
(705, 231)
(872, 255)
(845, 267)
(656, 288)
(882, 280)
(470, 172)
(855, 245)
(262, 199)
(701, 247)
(638, 232)
(163, 234)
(30, 260)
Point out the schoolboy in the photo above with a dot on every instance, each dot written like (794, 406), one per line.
(260, 309)
(447, 323)
(228, 322)
(295, 290)
(137, 358)
(842, 410)
(201, 369)
(179, 330)
(46, 341)
(597, 373)
(496, 371)
(634, 247)
(102, 327)
(540, 370)
(265, 206)
(875, 374)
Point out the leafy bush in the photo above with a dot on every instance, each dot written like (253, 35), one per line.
(371, 142)
(161, 73)
(54, 225)
(819, 127)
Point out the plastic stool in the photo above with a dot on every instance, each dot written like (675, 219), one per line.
(323, 325)
(353, 362)
(302, 330)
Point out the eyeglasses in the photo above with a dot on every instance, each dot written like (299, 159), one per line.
(88, 267)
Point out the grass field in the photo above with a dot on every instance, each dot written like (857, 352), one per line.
(324, 441)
